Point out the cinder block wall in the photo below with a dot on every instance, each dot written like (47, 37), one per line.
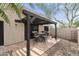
(65, 33)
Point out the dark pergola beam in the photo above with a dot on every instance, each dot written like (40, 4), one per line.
(27, 12)
(18, 21)
(23, 20)
(27, 35)
(26, 22)
(55, 31)
(32, 19)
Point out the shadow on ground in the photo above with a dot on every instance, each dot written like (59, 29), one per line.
(63, 48)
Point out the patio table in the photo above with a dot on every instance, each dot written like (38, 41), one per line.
(42, 36)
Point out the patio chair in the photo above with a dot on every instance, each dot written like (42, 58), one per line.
(36, 36)
(44, 36)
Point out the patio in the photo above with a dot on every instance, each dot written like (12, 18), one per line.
(36, 48)
(61, 47)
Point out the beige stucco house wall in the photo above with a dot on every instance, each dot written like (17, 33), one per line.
(15, 32)
(41, 27)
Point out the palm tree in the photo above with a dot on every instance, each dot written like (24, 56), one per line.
(14, 6)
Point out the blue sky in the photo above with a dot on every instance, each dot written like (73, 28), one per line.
(38, 10)
(59, 16)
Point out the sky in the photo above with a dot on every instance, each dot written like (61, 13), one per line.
(59, 16)
(38, 10)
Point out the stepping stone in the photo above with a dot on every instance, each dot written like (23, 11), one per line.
(38, 51)
(33, 53)
(24, 49)
(18, 53)
(22, 52)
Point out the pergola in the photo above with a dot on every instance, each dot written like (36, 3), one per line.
(33, 18)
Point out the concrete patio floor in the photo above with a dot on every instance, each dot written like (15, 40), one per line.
(37, 48)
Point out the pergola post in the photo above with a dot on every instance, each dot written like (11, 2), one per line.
(55, 31)
(37, 28)
(27, 35)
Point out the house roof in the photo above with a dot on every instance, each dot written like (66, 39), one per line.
(36, 18)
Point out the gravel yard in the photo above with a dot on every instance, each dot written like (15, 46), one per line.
(63, 48)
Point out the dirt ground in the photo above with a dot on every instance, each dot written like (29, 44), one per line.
(63, 48)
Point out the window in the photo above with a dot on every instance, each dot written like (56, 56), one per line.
(46, 28)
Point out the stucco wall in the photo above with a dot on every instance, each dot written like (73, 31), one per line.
(66, 33)
(41, 27)
(12, 33)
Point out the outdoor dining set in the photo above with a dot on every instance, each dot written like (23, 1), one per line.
(40, 36)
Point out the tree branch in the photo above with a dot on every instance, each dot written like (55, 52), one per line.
(76, 10)
(67, 12)
(72, 11)
(58, 21)
(75, 16)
